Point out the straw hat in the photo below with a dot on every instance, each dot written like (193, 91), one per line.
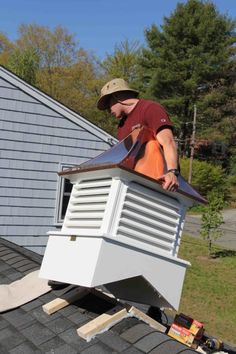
(109, 88)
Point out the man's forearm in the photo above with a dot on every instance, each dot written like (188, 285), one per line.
(166, 139)
(171, 155)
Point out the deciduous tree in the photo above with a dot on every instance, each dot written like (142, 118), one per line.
(25, 64)
(6, 46)
(212, 218)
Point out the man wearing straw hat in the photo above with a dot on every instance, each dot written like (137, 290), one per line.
(123, 103)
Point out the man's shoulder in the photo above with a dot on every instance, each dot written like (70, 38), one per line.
(148, 106)
(147, 103)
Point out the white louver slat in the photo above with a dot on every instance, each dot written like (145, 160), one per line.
(149, 219)
(87, 204)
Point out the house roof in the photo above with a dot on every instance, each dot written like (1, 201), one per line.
(55, 105)
(27, 329)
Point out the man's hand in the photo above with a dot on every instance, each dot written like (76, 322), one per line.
(170, 182)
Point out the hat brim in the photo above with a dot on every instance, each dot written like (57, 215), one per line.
(103, 102)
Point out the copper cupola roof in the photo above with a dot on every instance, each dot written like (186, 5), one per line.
(139, 153)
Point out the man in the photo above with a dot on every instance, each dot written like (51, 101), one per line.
(123, 103)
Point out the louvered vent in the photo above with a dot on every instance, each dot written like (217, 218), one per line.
(87, 204)
(149, 218)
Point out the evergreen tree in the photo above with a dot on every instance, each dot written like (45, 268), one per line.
(186, 59)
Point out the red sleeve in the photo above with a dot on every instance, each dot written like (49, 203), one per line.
(156, 117)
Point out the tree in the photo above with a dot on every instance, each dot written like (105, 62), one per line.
(24, 64)
(5, 48)
(56, 48)
(185, 59)
(52, 61)
(218, 118)
(78, 87)
(206, 176)
(123, 62)
(212, 218)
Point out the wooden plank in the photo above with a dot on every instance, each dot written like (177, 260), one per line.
(102, 323)
(147, 319)
(65, 300)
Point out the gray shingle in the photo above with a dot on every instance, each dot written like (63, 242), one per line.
(8, 271)
(133, 350)
(28, 268)
(21, 263)
(170, 346)
(10, 338)
(18, 318)
(9, 256)
(59, 325)
(2, 248)
(25, 348)
(52, 344)
(41, 316)
(125, 324)
(150, 341)
(2, 350)
(4, 252)
(113, 341)
(68, 310)
(79, 318)
(32, 305)
(3, 323)
(71, 337)
(37, 333)
(47, 297)
(63, 349)
(12, 274)
(4, 280)
(137, 332)
(4, 266)
(99, 348)
(14, 260)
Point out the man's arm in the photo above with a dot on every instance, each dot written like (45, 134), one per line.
(166, 139)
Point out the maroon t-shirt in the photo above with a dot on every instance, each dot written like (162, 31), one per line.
(146, 112)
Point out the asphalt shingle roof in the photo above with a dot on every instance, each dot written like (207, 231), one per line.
(28, 329)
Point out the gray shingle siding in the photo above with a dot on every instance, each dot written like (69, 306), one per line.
(35, 140)
(13, 93)
(4, 83)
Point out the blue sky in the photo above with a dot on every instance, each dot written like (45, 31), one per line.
(97, 24)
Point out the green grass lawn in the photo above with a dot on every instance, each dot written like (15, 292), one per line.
(209, 292)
